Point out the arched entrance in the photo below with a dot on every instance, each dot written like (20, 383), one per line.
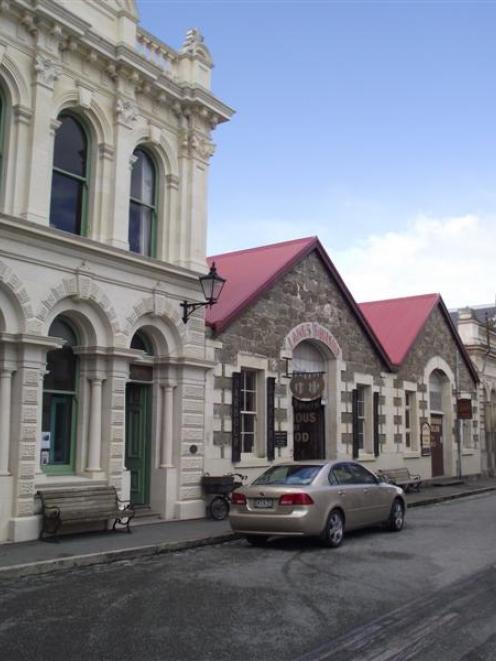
(307, 386)
(438, 394)
(139, 420)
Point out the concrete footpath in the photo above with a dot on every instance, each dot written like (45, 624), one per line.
(28, 558)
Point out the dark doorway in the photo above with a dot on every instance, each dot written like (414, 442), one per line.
(138, 441)
(308, 427)
(437, 458)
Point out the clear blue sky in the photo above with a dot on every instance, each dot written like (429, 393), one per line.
(354, 120)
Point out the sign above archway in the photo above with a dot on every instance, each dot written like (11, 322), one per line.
(311, 330)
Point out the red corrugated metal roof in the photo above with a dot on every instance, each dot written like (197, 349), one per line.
(398, 321)
(248, 273)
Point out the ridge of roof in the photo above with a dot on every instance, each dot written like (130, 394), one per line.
(267, 246)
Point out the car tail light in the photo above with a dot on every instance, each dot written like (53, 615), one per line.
(238, 498)
(295, 499)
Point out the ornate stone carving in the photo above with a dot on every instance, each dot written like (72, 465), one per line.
(192, 144)
(47, 70)
(125, 111)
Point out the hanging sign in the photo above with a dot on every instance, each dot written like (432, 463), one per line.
(307, 385)
(464, 409)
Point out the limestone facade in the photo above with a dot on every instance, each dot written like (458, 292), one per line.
(127, 91)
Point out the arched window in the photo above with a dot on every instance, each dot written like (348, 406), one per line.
(1, 137)
(436, 382)
(142, 207)
(141, 342)
(70, 177)
(59, 401)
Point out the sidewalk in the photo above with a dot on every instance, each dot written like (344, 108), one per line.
(28, 558)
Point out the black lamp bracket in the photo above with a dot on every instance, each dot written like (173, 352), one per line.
(189, 308)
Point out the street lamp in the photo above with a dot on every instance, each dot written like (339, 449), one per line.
(211, 285)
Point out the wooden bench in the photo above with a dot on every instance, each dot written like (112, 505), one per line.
(82, 505)
(401, 477)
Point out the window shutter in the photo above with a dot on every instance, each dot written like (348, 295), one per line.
(271, 386)
(354, 423)
(236, 418)
(376, 424)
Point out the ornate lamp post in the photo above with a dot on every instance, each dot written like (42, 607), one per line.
(211, 285)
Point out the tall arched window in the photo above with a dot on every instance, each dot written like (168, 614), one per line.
(59, 401)
(70, 177)
(142, 207)
(1, 137)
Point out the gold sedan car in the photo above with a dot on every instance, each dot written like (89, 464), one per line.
(315, 498)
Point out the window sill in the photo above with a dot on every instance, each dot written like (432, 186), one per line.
(366, 456)
(467, 452)
(252, 462)
(47, 480)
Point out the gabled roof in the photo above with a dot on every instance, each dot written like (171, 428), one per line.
(250, 273)
(398, 322)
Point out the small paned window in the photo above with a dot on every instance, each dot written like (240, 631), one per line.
(142, 207)
(361, 416)
(408, 412)
(248, 409)
(69, 178)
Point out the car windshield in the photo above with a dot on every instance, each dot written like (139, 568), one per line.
(293, 474)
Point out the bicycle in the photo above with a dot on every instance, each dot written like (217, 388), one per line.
(218, 490)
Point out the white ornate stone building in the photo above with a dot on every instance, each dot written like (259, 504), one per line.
(105, 147)
(477, 328)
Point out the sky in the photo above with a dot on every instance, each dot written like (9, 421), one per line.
(371, 124)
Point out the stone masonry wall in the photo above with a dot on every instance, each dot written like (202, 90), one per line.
(306, 293)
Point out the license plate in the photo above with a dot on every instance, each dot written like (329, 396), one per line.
(263, 503)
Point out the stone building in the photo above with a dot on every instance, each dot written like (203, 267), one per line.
(304, 372)
(104, 151)
(477, 328)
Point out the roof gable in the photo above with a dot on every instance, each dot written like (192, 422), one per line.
(250, 273)
(398, 322)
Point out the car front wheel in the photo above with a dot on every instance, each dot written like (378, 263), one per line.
(333, 533)
(397, 516)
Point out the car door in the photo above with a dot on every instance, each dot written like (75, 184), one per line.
(349, 493)
(374, 500)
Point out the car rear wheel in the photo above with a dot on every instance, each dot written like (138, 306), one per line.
(397, 516)
(333, 533)
(218, 508)
(257, 540)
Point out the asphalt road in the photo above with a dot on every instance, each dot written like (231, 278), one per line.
(427, 593)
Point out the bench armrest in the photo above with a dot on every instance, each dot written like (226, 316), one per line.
(125, 502)
(51, 511)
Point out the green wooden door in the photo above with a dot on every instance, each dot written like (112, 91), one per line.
(138, 410)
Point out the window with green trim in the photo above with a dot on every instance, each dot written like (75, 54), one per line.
(60, 402)
(142, 207)
(70, 177)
